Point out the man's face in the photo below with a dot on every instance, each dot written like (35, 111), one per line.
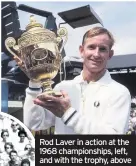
(22, 137)
(8, 148)
(27, 148)
(96, 52)
(14, 126)
(32, 155)
(13, 156)
(5, 136)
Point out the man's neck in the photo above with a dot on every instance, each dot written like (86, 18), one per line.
(21, 141)
(13, 162)
(92, 76)
(14, 131)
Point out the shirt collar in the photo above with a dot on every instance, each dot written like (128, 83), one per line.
(104, 80)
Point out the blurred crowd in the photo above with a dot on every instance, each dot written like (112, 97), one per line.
(14, 96)
(132, 120)
(16, 146)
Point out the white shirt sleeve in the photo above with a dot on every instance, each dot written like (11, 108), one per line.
(36, 117)
(114, 121)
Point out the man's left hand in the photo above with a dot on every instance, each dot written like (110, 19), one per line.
(57, 105)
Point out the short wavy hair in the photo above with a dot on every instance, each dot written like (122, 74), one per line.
(4, 131)
(98, 31)
(10, 144)
(22, 132)
(25, 161)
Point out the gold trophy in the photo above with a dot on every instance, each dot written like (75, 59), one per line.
(39, 53)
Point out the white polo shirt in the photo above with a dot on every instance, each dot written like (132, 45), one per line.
(101, 107)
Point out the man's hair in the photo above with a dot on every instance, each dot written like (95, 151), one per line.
(25, 161)
(12, 151)
(4, 131)
(98, 31)
(10, 144)
(31, 150)
(26, 146)
(22, 132)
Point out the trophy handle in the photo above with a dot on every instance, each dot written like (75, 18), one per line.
(62, 33)
(10, 43)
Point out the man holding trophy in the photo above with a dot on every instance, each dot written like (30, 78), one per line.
(91, 103)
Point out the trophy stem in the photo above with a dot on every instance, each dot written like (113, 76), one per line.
(47, 86)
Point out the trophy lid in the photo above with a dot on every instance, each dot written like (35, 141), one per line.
(33, 23)
(35, 33)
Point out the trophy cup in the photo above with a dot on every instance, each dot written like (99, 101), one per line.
(39, 53)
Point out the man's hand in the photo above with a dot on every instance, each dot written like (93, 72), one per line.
(57, 105)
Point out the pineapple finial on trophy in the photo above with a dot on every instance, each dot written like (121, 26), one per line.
(32, 19)
(33, 23)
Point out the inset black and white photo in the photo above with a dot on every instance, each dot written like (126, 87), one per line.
(17, 144)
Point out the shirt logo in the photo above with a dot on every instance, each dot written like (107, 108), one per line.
(96, 103)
